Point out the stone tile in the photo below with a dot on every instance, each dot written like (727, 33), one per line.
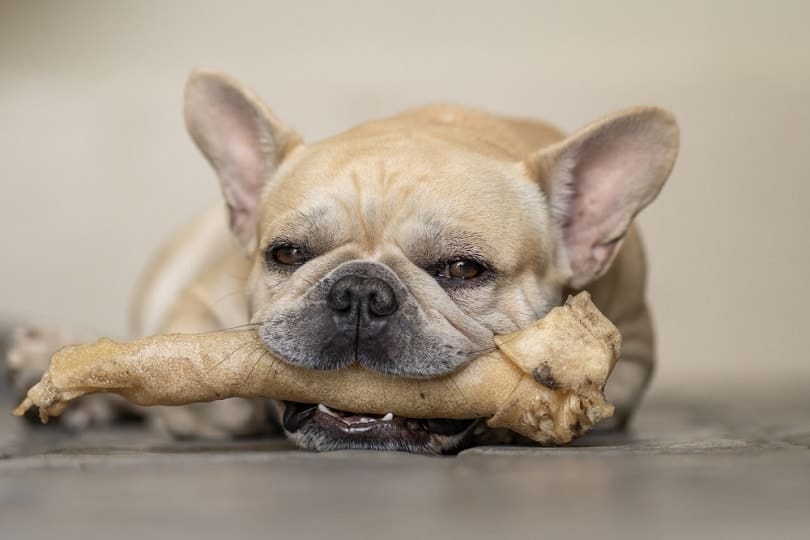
(697, 469)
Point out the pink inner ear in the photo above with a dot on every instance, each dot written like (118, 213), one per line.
(242, 178)
(601, 181)
(238, 149)
(243, 172)
(229, 133)
(615, 173)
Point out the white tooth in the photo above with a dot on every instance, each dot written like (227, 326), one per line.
(388, 417)
(324, 409)
(366, 420)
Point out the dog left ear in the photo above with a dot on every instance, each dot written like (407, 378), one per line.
(243, 141)
(598, 179)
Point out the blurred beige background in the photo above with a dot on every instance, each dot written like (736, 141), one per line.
(96, 167)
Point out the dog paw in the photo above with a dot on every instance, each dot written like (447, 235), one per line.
(217, 420)
(624, 390)
(98, 410)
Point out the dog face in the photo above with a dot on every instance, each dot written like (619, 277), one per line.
(390, 259)
(404, 245)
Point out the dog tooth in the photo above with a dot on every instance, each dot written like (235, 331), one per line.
(388, 417)
(324, 409)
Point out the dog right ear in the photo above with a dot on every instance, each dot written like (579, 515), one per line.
(243, 141)
(598, 180)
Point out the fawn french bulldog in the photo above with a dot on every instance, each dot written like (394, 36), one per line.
(404, 245)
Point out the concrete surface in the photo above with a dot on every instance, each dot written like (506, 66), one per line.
(690, 468)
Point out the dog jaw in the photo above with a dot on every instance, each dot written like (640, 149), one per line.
(319, 428)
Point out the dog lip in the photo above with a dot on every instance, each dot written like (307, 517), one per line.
(296, 415)
(447, 426)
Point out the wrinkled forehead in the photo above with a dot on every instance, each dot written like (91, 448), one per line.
(412, 193)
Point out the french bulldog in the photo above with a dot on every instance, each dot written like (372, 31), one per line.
(403, 245)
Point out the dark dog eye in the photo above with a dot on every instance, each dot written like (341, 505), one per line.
(462, 269)
(287, 255)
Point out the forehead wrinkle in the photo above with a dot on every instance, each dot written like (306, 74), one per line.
(375, 199)
(362, 208)
(316, 225)
(428, 238)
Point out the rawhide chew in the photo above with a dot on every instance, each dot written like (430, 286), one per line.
(545, 381)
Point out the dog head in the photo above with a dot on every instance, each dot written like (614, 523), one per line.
(405, 244)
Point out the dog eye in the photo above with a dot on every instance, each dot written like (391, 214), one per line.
(287, 255)
(462, 269)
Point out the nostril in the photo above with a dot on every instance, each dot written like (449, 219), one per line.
(342, 302)
(339, 298)
(383, 302)
(371, 296)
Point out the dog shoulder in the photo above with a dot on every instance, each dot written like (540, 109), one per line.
(199, 256)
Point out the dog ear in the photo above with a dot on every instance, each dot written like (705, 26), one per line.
(242, 140)
(598, 179)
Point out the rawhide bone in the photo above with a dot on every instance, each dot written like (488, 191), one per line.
(545, 381)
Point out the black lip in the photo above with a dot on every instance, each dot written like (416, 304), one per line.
(447, 426)
(296, 415)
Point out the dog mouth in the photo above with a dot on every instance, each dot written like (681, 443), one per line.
(320, 427)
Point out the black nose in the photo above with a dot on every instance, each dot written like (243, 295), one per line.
(366, 297)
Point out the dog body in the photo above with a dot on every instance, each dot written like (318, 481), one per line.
(524, 214)
(404, 245)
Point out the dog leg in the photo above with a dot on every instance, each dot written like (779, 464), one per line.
(631, 376)
(625, 388)
(229, 418)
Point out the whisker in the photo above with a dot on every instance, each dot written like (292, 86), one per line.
(256, 363)
(227, 295)
(309, 408)
(481, 352)
(238, 327)
(242, 346)
(269, 367)
(463, 397)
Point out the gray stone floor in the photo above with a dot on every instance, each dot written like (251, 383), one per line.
(689, 468)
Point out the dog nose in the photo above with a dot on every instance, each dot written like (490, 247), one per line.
(362, 296)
